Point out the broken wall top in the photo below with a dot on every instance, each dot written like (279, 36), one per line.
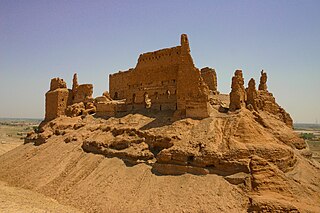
(159, 58)
(57, 83)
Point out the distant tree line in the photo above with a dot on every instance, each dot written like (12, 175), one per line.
(307, 136)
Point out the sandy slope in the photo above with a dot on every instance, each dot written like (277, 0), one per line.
(13, 199)
(266, 163)
(95, 183)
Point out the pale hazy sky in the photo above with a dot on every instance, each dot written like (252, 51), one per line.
(43, 39)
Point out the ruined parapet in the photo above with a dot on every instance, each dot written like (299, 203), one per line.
(56, 99)
(192, 92)
(57, 83)
(209, 76)
(70, 102)
(237, 94)
(109, 108)
(252, 95)
(81, 93)
(263, 81)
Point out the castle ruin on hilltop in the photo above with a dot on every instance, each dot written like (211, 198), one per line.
(169, 79)
(163, 80)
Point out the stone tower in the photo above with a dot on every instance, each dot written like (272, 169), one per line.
(56, 99)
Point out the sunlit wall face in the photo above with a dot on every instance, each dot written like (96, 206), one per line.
(40, 40)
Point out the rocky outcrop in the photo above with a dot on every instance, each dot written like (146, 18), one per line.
(237, 94)
(263, 81)
(266, 102)
(75, 83)
(252, 95)
(221, 145)
(254, 151)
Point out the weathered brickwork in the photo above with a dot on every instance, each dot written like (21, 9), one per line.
(167, 77)
(63, 101)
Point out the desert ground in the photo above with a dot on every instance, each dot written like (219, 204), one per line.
(74, 179)
(16, 199)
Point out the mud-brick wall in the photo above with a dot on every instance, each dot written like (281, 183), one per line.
(56, 103)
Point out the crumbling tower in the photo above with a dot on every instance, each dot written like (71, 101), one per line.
(192, 92)
(56, 99)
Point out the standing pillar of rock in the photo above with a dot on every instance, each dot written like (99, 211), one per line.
(252, 95)
(263, 81)
(238, 93)
(75, 83)
(192, 92)
(75, 86)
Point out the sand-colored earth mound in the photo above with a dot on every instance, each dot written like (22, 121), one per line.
(229, 162)
(14, 199)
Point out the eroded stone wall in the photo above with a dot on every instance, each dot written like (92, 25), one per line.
(209, 76)
(71, 102)
(164, 80)
(192, 92)
(83, 93)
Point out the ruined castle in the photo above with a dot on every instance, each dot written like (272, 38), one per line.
(169, 79)
(163, 80)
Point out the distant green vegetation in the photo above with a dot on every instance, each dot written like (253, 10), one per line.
(307, 136)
